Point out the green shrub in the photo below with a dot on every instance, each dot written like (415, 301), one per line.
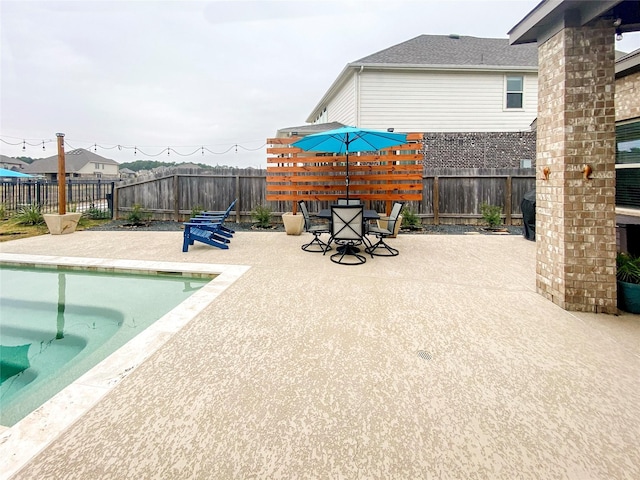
(262, 215)
(3, 212)
(628, 268)
(94, 213)
(197, 210)
(137, 216)
(410, 218)
(30, 215)
(492, 214)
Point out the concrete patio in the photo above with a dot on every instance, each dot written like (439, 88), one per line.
(440, 363)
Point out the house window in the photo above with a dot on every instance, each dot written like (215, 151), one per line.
(628, 164)
(515, 91)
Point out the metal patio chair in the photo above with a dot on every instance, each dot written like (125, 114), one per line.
(315, 245)
(348, 232)
(380, 248)
(349, 201)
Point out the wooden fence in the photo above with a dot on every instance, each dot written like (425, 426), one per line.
(449, 196)
(175, 196)
(394, 173)
(455, 196)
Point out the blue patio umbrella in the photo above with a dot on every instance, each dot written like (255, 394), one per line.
(13, 174)
(350, 139)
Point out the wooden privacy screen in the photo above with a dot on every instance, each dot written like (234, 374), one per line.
(393, 173)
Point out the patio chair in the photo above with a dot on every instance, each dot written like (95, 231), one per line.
(315, 245)
(204, 220)
(209, 233)
(347, 230)
(380, 248)
(219, 213)
(216, 217)
(349, 201)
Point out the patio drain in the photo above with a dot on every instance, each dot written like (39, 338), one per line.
(424, 355)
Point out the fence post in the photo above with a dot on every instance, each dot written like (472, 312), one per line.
(436, 201)
(110, 199)
(239, 202)
(114, 215)
(176, 199)
(69, 189)
(507, 200)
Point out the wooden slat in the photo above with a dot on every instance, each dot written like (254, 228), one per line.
(380, 169)
(307, 158)
(341, 186)
(333, 197)
(382, 177)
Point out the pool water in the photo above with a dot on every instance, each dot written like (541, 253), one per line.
(56, 324)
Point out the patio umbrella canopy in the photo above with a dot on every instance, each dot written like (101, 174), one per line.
(13, 174)
(350, 139)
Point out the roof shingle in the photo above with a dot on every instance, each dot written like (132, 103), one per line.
(455, 50)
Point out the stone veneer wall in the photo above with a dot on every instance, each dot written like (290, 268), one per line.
(628, 97)
(575, 218)
(478, 149)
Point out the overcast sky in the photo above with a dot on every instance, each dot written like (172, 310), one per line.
(190, 74)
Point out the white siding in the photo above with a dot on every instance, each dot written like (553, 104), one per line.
(105, 169)
(442, 102)
(342, 107)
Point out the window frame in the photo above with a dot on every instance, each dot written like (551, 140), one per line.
(628, 136)
(505, 97)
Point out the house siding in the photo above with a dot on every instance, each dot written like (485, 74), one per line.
(443, 101)
(342, 107)
(105, 170)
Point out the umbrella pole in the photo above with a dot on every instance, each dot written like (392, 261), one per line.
(346, 149)
(347, 178)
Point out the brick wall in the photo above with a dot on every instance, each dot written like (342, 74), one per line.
(479, 149)
(628, 97)
(575, 217)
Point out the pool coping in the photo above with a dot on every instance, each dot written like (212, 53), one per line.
(21, 442)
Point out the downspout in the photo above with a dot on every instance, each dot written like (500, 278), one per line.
(357, 87)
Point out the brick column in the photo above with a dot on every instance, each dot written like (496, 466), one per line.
(575, 217)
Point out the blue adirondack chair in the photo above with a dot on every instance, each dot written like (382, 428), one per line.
(209, 233)
(216, 217)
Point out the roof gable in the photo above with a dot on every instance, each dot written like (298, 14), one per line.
(455, 50)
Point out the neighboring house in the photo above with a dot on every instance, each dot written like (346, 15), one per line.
(188, 165)
(127, 173)
(79, 163)
(477, 95)
(304, 130)
(11, 163)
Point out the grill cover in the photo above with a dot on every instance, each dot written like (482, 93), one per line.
(528, 207)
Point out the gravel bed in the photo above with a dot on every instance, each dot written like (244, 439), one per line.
(169, 226)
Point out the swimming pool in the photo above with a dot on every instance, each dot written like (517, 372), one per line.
(56, 324)
(19, 443)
